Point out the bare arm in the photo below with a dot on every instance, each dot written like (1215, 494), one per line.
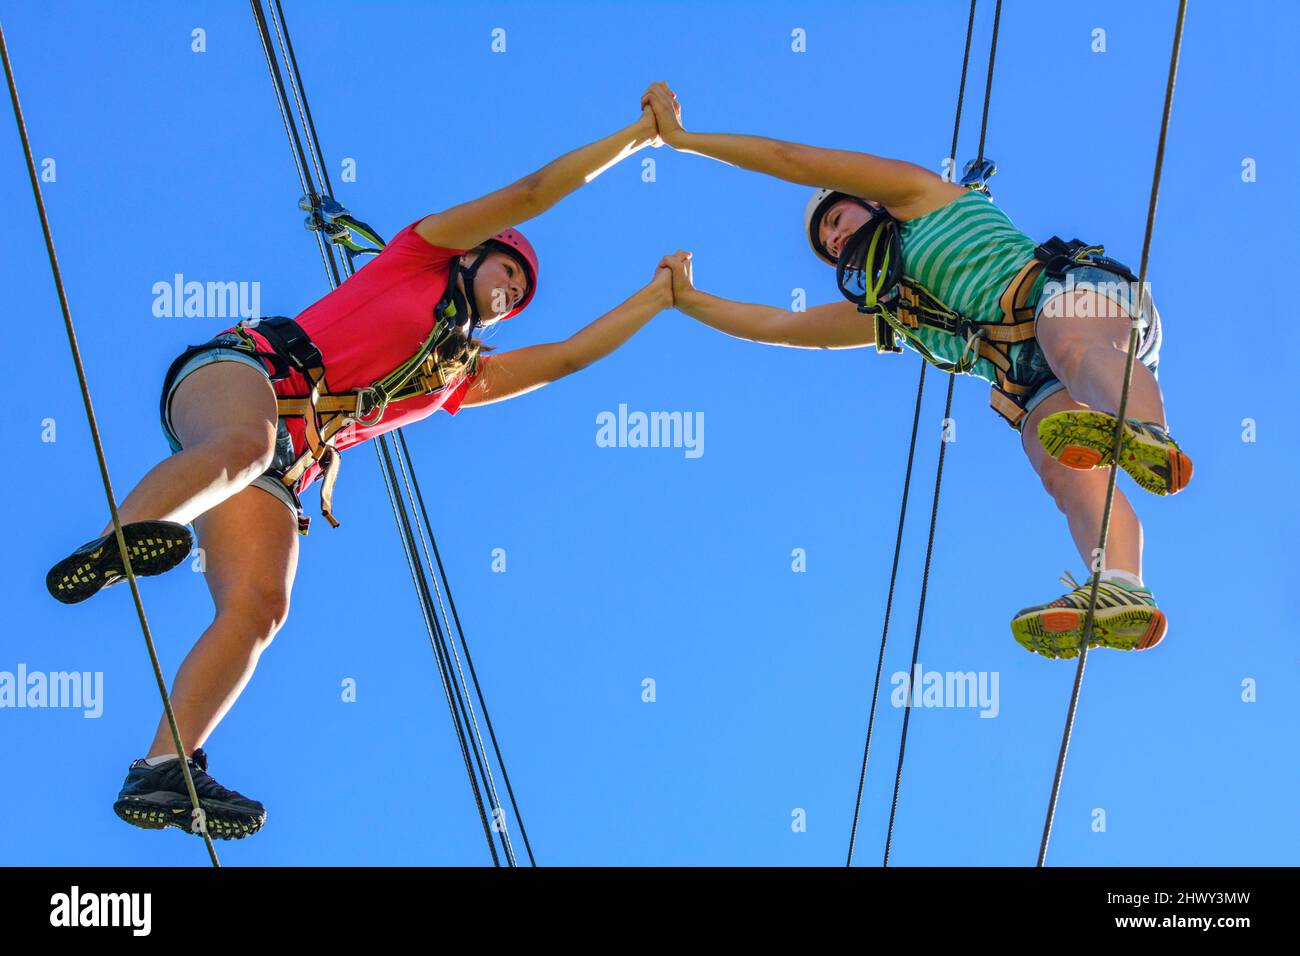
(520, 371)
(470, 223)
(838, 325)
(905, 189)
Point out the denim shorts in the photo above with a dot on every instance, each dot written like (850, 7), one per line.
(1032, 364)
(284, 454)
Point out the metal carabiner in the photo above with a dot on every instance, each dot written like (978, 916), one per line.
(369, 403)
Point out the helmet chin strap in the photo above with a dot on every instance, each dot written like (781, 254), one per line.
(467, 275)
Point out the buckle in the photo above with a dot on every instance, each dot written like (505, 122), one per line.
(976, 174)
(323, 207)
(369, 403)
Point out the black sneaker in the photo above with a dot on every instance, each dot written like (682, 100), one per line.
(155, 798)
(155, 546)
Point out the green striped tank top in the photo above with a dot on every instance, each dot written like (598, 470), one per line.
(966, 253)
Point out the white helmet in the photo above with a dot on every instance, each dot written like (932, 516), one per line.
(821, 201)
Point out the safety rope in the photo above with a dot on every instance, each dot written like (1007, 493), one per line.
(469, 661)
(198, 821)
(907, 480)
(1088, 622)
(464, 720)
(938, 480)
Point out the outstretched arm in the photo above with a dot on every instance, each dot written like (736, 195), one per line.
(519, 371)
(470, 223)
(905, 189)
(838, 325)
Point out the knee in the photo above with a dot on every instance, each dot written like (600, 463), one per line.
(256, 612)
(1066, 486)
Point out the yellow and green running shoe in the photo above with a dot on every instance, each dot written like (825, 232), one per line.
(1084, 440)
(1125, 619)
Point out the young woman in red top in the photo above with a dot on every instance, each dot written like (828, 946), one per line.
(224, 413)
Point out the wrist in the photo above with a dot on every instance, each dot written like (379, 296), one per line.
(686, 300)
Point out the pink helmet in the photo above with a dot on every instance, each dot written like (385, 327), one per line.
(513, 242)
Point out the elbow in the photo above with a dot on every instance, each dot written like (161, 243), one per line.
(793, 161)
(528, 199)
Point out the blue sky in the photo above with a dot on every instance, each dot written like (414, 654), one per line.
(634, 563)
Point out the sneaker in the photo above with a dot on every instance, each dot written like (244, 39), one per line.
(1084, 439)
(154, 798)
(155, 547)
(1125, 619)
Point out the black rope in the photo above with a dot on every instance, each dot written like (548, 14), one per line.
(938, 483)
(487, 718)
(961, 89)
(447, 647)
(889, 605)
(436, 637)
(1088, 622)
(907, 481)
(305, 181)
(988, 85)
(125, 552)
(477, 762)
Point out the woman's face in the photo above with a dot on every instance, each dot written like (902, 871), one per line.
(499, 286)
(840, 222)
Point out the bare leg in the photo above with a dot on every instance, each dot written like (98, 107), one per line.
(225, 417)
(1087, 348)
(1081, 497)
(250, 545)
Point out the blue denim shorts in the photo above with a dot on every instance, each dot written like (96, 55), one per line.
(1032, 363)
(284, 456)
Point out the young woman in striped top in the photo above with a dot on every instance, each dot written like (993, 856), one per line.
(960, 246)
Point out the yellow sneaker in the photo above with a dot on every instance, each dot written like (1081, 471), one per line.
(1084, 439)
(1125, 619)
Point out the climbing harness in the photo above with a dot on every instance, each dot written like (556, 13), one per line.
(430, 370)
(437, 606)
(870, 273)
(326, 413)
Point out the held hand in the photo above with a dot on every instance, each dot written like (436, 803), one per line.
(647, 128)
(662, 286)
(667, 111)
(683, 283)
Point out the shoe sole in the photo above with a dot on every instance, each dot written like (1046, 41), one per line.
(160, 811)
(1083, 440)
(1057, 632)
(155, 547)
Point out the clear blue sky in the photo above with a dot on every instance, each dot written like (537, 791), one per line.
(634, 563)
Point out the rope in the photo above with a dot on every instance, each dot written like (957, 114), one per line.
(938, 475)
(435, 636)
(902, 511)
(889, 604)
(474, 753)
(447, 648)
(99, 445)
(487, 718)
(1088, 621)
